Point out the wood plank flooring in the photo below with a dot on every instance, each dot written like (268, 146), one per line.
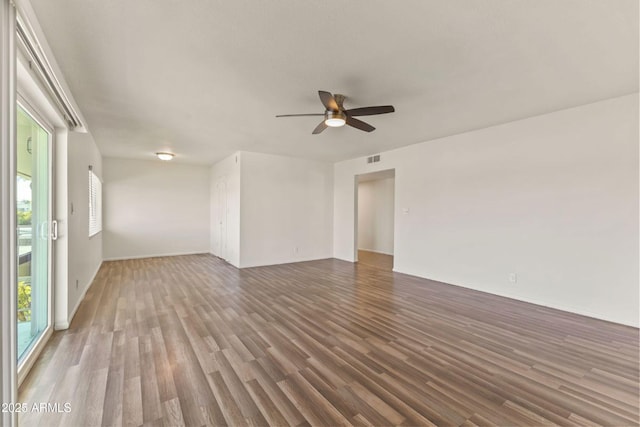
(375, 259)
(192, 341)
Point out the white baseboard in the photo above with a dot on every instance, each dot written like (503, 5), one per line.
(287, 262)
(217, 256)
(154, 255)
(527, 300)
(377, 252)
(225, 260)
(61, 325)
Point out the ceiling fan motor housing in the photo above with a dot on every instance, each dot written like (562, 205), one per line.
(335, 118)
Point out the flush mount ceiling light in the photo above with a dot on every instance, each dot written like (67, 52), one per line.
(165, 156)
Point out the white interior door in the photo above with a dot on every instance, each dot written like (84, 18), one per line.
(221, 204)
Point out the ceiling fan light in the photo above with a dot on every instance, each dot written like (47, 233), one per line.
(165, 156)
(335, 119)
(335, 123)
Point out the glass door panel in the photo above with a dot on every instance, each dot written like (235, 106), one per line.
(33, 219)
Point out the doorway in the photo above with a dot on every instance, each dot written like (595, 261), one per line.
(375, 219)
(34, 232)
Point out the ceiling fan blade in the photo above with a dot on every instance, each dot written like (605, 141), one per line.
(322, 126)
(300, 115)
(328, 100)
(370, 111)
(359, 124)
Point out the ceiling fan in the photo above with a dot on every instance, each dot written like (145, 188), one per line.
(335, 115)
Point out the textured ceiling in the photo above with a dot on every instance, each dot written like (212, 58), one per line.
(206, 78)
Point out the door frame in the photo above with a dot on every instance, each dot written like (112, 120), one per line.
(383, 174)
(24, 366)
(8, 365)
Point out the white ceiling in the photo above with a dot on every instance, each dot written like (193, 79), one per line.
(205, 78)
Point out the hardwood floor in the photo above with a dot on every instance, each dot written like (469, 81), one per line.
(375, 259)
(191, 340)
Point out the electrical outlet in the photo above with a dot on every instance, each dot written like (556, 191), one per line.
(513, 278)
(295, 250)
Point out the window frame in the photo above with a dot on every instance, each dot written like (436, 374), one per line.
(95, 203)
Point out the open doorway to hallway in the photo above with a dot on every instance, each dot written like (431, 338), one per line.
(375, 219)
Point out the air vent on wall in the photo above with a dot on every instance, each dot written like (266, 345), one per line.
(373, 159)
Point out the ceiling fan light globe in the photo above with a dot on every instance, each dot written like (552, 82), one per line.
(335, 119)
(165, 156)
(335, 122)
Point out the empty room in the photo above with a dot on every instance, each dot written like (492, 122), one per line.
(369, 213)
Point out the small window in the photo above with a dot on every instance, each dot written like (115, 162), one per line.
(95, 204)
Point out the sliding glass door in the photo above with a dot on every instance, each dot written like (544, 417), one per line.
(33, 194)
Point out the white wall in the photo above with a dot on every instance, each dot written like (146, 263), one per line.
(375, 215)
(154, 208)
(84, 252)
(226, 173)
(287, 210)
(553, 198)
